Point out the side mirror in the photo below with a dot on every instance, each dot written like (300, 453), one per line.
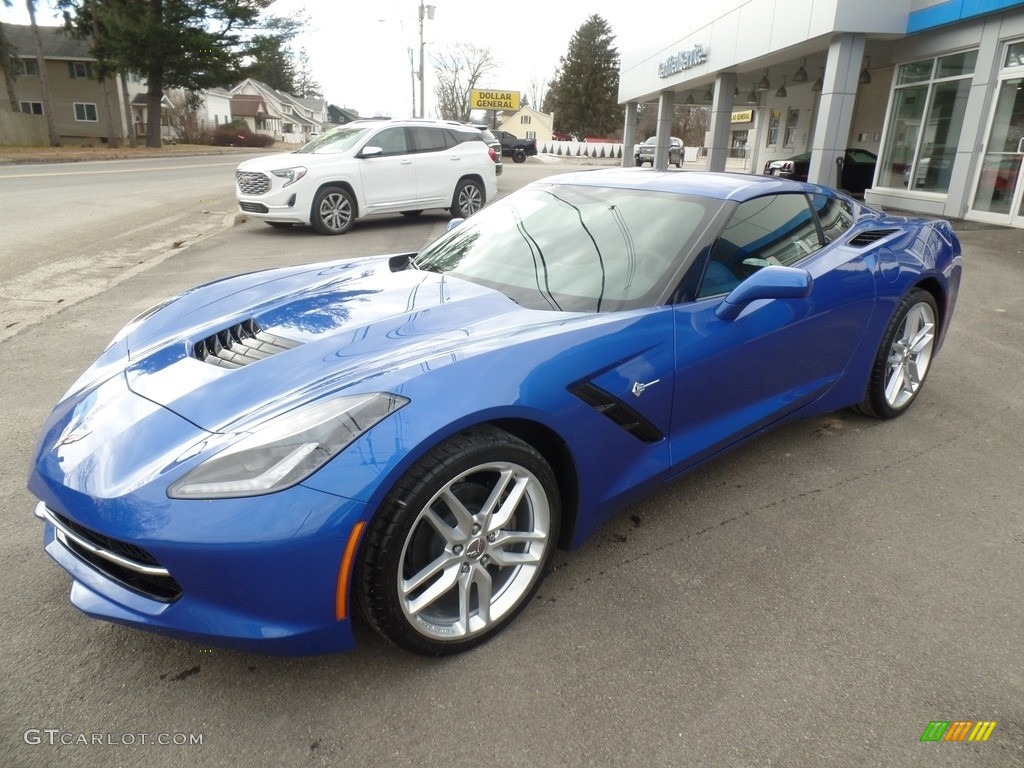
(452, 224)
(772, 282)
(371, 151)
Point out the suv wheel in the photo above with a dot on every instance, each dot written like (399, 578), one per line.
(334, 211)
(468, 199)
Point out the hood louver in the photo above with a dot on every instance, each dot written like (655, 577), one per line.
(239, 345)
(869, 237)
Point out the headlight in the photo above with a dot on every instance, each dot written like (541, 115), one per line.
(286, 450)
(291, 175)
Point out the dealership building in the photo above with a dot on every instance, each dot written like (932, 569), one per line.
(934, 88)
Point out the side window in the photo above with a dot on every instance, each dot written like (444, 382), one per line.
(427, 139)
(391, 140)
(834, 215)
(776, 229)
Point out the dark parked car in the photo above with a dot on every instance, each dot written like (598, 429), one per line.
(645, 152)
(858, 169)
(516, 148)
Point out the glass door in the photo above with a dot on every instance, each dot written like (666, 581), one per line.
(999, 190)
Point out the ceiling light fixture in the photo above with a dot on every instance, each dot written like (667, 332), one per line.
(689, 99)
(781, 93)
(764, 84)
(709, 96)
(752, 97)
(820, 82)
(865, 76)
(800, 76)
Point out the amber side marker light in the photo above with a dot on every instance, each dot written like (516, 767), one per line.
(345, 572)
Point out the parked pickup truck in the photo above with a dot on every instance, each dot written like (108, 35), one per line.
(518, 149)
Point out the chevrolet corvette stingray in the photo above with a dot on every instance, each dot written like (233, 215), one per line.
(409, 437)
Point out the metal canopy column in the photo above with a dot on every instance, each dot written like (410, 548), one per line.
(721, 120)
(835, 110)
(666, 113)
(629, 134)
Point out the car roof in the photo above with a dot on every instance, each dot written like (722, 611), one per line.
(719, 186)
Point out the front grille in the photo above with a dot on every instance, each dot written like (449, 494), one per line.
(239, 345)
(250, 183)
(253, 207)
(127, 564)
(869, 237)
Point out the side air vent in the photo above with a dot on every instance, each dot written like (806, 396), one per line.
(240, 345)
(869, 237)
(618, 411)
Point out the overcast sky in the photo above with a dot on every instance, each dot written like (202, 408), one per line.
(359, 51)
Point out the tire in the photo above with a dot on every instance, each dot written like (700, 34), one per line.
(412, 214)
(279, 224)
(904, 357)
(334, 211)
(447, 562)
(469, 198)
(518, 155)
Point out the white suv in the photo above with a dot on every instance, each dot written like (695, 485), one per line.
(367, 167)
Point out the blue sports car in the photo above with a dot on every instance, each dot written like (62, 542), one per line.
(411, 436)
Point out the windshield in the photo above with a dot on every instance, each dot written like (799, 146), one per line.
(335, 141)
(574, 248)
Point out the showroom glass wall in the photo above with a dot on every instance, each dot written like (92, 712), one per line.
(927, 113)
(998, 187)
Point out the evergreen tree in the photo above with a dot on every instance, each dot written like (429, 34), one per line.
(190, 44)
(268, 57)
(584, 93)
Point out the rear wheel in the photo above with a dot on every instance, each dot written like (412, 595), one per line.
(460, 545)
(334, 211)
(519, 155)
(904, 358)
(468, 199)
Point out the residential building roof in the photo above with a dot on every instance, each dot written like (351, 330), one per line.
(57, 43)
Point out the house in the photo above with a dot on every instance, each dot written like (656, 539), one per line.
(529, 123)
(340, 115)
(76, 96)
(285, 117)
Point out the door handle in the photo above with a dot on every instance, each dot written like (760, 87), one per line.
(1020, 147)
(407, 162)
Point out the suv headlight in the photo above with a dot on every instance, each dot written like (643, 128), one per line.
(287, 449)
(291, 175)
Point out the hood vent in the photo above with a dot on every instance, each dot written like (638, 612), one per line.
(869, 237)
(622, 414)
(239, 345)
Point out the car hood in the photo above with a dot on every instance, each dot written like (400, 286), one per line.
(367, 325)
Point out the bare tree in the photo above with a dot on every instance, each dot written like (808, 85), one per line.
(458, 71)
(183, 117)
(535, 91)
(51, 124)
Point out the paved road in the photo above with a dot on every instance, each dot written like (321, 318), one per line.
(72, 230)
(812, 599)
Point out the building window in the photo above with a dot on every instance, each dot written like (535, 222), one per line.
(79, 70)
(31, 107)
(26, 68)
(773, 128)
(85, 113)
(525, 119)
(926, 115)
(791, 120)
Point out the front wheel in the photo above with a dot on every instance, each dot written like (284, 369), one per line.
(904, 357)
(334, 211)
(468, 199)
(460, 545)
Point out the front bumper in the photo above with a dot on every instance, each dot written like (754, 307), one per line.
(230, 584)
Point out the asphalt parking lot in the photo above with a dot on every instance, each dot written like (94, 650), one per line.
(814, 598)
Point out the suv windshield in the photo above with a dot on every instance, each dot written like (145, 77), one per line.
(335, 141)
(573, 248)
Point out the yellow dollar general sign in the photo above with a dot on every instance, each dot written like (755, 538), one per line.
(479, 99)
(958, 730)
